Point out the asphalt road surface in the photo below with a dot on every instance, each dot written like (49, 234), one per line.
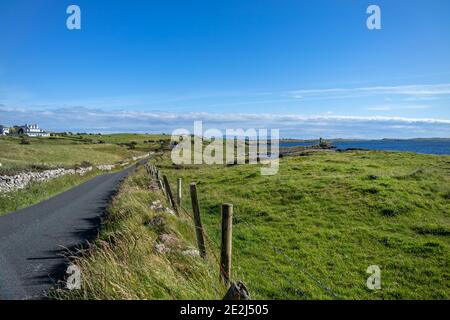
(33, 241)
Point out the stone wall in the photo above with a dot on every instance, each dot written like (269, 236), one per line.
(21, 180)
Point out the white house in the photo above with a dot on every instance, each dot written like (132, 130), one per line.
(4, 130)
(31, 130)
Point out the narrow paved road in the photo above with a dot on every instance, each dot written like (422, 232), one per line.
(33, 240)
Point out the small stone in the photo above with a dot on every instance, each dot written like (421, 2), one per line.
(168, 240)
(156, 221)
(170, 211)
(106, 167)
(237, 291)
(156, 205)
(161, 248)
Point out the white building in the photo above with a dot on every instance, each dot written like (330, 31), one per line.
(4, 130)
(31, 130)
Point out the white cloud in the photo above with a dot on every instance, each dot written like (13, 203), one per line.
(80, 119)
(379, 108)
(391, 107)
(416, 91)
(93, 114)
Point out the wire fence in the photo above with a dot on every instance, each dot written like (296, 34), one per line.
(285, 282)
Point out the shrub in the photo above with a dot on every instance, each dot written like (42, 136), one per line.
(24, 140)
(85, 164)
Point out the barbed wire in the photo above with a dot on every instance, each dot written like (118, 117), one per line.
(212, 244)
(280, 251)
(286, 277)
(191, 223)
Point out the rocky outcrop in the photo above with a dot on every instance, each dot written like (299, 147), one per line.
(22, 180)
(158, 206)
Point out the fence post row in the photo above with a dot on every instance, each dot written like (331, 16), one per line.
(197, 220)
(237, 291)
(225, 250)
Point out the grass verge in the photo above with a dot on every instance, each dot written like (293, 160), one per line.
(123, 262)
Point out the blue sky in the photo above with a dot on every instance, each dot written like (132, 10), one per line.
(309, 68)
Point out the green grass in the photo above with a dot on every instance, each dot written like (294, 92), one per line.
(309, 232)
(122, 263)
(63, 151)
(324, 218)
(127, 137)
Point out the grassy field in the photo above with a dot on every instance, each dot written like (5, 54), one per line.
(312, 230)
(127, 137)
(309, 232)
(71, 150)
(65, 151)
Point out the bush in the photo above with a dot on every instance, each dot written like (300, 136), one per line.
(85, 164)
(24, 140)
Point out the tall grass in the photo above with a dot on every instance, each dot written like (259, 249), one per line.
(123, 262)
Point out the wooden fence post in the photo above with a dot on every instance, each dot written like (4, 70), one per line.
(169, 193)
(227, 237)
(197, 220)
(161, 185)
(179, 190)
